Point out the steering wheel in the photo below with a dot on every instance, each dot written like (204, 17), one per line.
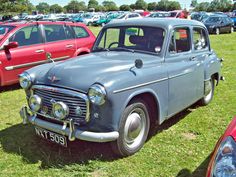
(113, 43)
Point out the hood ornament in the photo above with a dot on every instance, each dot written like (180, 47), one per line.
(53, 78)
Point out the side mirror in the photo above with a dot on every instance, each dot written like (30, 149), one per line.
(11, 45)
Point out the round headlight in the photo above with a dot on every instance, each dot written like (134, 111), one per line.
(224, 164)
(25, 80)
(60, 110)
(97, 94)
(35, 103)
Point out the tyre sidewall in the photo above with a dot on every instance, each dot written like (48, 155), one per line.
(204, 100)
(121, 148)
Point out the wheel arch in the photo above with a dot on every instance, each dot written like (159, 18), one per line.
(82, 51)
(152, 101)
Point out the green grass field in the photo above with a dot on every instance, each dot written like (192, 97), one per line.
(180, 147)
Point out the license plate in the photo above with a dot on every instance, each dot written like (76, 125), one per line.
(53, 137)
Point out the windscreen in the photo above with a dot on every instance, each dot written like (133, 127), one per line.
(131, 38)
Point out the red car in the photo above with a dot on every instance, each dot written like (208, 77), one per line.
(27, 44)
(223, 160)
(177, 14)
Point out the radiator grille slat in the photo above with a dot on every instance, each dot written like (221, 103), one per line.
(71, 100)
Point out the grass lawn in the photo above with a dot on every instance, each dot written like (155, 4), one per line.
(181, 147)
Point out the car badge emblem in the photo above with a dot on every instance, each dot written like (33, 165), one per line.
(44, 110)
(53, 78)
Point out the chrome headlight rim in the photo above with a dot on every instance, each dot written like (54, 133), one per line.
(63, 110)
(97, 94)
(25, 80)
(35, 103)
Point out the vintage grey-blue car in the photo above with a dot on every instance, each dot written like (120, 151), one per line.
(140, 72)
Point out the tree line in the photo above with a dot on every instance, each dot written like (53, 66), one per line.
(75, 6)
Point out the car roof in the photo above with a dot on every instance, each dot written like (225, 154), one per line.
(155, 22)
(26, 23)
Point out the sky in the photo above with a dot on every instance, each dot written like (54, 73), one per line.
(183, 3)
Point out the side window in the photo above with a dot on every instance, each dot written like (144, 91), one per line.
(54, 33)
(80, 32)
(110, 38)
(69, 32)
(199, 39)
(29, 35)
(180, 41)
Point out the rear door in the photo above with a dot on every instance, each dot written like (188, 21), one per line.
(29, 53)
(59, 42)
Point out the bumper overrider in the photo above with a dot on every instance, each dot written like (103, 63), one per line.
(68, 129)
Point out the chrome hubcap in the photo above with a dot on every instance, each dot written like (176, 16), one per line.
(135, 128)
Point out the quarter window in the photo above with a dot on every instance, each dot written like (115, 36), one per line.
(80, 32)
(54, 33)
(180, 41)
(199, 39)
(27, 36)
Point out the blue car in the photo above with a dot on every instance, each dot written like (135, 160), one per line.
(140, 72)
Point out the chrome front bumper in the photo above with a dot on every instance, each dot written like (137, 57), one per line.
(68, 129)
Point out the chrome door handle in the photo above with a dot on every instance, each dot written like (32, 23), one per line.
(192, 58)
(69, 45)
(39, 51)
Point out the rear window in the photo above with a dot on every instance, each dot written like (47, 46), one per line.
(80, 32)
(5, 29)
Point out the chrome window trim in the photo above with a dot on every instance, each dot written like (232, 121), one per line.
(69, 92)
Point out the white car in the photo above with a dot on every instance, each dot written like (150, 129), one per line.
(89, 19)
(128, 16)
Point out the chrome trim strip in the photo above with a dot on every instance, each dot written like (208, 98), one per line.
(69, 92)
(60, 58)
(65, 130)
(140, 85)
(181, 74)
(9, 68)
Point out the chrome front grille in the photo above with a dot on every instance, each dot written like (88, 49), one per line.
(72, 99)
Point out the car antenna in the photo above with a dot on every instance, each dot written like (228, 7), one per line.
(138, 65)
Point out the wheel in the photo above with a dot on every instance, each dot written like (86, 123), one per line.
(209, 95)
(89, 24)
(217, 31)
(133, 129)
(231, 29)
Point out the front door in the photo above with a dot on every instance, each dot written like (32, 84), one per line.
(29, 53)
